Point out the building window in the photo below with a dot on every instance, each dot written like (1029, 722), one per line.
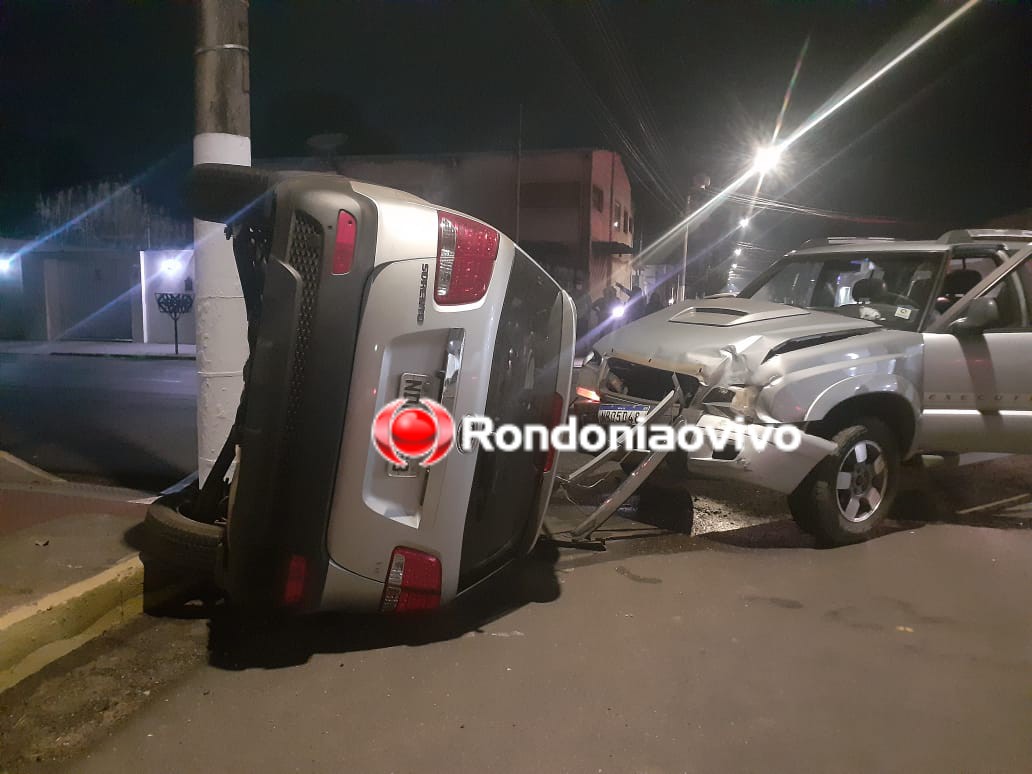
(596, 197)
(630, 225)
(626, 218)
(616, 215)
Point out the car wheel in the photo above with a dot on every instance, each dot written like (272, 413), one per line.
(180, 541)
(849, 493)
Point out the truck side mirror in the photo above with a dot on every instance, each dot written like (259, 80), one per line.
(982, 313)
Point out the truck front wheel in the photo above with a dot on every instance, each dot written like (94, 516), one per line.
(848, 494)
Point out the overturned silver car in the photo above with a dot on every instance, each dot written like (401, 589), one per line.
(877, 350)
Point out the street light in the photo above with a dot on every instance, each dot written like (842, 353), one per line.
(171, 265)
(767, 159)
(738, 251)
(5, 265)
(743, 223)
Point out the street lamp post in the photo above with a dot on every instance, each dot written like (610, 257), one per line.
(175, 305)
(682, 289)
(699, 184)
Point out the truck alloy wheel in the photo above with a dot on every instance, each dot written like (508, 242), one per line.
(861, 481)
(849, 493)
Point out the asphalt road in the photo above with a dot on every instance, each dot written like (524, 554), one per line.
(131, 421)
(911, 653)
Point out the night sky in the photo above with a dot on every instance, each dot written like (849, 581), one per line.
(95, 90)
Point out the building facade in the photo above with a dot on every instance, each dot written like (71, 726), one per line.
(86, 294)
(571, 210)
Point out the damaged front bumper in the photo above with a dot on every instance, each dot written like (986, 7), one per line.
(736, 457)
(740, 459)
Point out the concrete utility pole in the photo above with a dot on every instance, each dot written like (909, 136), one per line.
(223, 129)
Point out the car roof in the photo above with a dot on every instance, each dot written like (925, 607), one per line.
(899, 246)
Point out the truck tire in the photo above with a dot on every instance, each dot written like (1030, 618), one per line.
(802, 514)
(847, 496)
(181, 542)
(669, 508)
(675, 464)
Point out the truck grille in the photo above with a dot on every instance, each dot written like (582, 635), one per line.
(638, 381)
(305, 255)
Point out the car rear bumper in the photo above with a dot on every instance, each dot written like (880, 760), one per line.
(438, 510)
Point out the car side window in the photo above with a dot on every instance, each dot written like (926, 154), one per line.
(1013, 296)
(1011, 303)
(1024, 277)
(961, 276)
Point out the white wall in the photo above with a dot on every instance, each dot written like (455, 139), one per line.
(165, 271)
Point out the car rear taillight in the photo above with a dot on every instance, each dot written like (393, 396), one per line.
(466, 253)
(344, 243)
(413, 582)
(554, 418)
(294, 585)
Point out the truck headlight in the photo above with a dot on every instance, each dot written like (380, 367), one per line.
(744, 402)
(739, 400)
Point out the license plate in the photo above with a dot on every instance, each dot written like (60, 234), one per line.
(621, 414)
(413, 387)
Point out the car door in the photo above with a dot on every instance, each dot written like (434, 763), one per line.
(977, 390)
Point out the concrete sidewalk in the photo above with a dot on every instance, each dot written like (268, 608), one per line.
(130, 349)
(68, 570)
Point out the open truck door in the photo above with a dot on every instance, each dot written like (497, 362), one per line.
(978, 385)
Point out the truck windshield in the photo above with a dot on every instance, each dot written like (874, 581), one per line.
(891, 289)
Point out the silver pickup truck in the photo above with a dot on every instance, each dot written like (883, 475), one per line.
(877, 350)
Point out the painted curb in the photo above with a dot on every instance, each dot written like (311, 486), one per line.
(17, 471)
(36, 634)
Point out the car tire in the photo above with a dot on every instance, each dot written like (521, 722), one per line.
(180, 541)
(218, 192)
(847, 496)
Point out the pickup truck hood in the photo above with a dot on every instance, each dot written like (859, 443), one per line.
(722, 340)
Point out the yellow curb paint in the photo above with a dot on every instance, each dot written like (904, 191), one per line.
(15, 470)
(33, 635)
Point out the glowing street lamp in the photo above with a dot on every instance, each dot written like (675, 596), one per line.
(171, 266)
(743, 223)
(767, 159)
(738, 251)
